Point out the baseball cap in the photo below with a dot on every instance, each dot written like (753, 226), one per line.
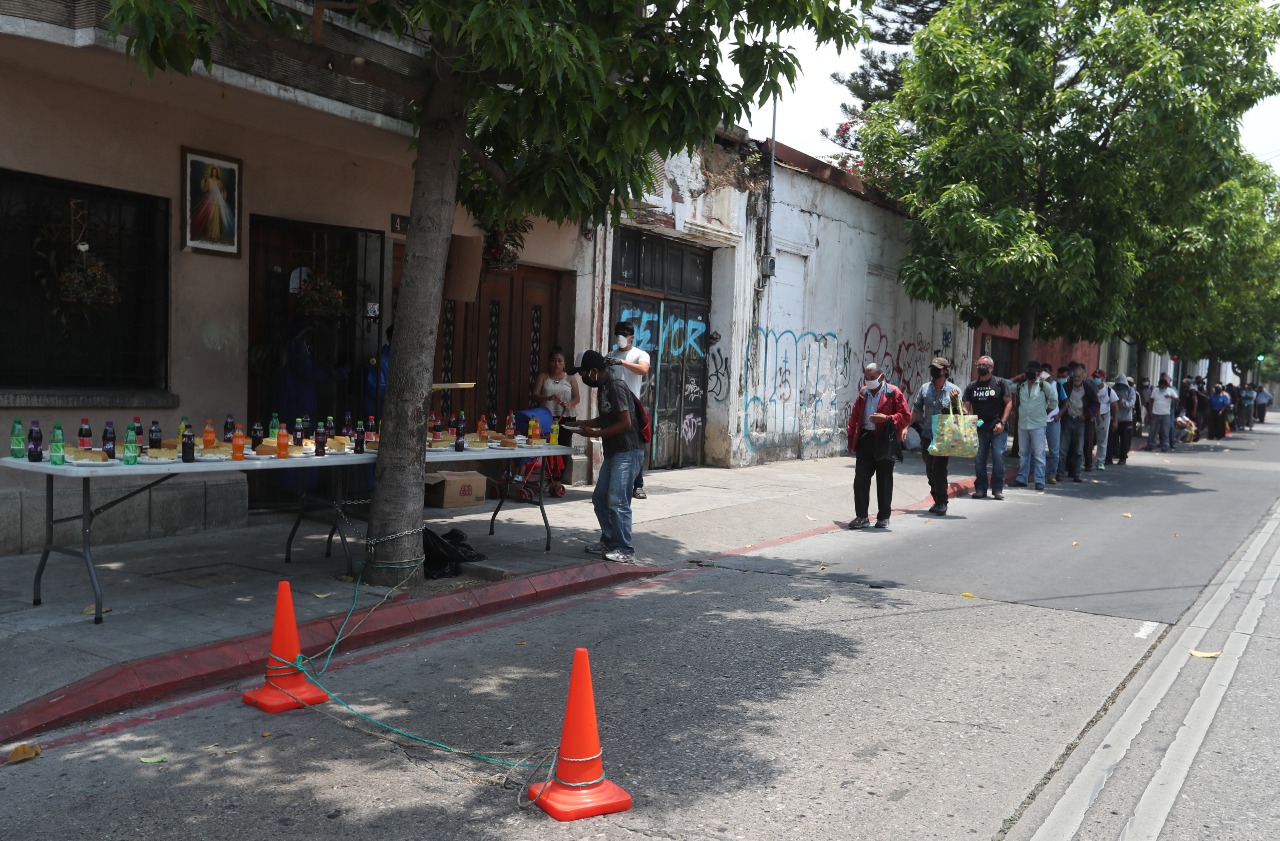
(588, 359)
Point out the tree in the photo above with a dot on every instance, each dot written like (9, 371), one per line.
(1028, 135)
(893, 23)
(546, 109)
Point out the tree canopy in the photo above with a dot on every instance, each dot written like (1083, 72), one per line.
(1030, 135)
(549, 108)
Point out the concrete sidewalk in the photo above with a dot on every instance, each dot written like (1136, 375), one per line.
(197, 610)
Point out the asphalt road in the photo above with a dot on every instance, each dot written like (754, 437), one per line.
(768, 697)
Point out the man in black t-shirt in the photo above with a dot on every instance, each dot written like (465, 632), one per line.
(990, 398)
(617, 427)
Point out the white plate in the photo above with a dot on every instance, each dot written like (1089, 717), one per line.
(107, 463)
(151, 460)
(213, 458)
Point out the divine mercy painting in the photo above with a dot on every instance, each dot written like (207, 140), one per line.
(211, 203)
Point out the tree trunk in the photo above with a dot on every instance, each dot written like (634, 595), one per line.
(401, 466)
(1140, 361)
(1026, 336)
(1214, 374)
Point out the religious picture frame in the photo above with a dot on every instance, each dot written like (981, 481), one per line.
(211, 187)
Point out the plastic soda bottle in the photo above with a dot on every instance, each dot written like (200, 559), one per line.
(274, 426)
(256, 437)
(460, 439)
(142, 436)
(320, 438)
(360, 437)
(453, 425)
(17, 446)
(188, 443)
(554, 438)
(35, 442)
(436, 433)
(330, 429)
(109, 440)
(210, 434)
(57, 446)
(346, 425)
(511, 424)
(306, 426)
(282, 441)
(155, 438)
(228, 428)
(130, 444)
(462, 421)
(237, 443)
(297, 432)
(371, 428)
(482, 427)
(85, 436)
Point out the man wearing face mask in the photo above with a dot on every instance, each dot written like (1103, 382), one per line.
(1082, 411)
(1106, 423)
(632, 367)
(990, 398)
(935, 397)
(879, 415)
(617, 429)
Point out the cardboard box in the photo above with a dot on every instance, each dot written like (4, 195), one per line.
(454, 489)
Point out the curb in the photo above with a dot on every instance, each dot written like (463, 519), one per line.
(118, 687)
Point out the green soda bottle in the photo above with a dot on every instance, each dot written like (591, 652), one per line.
(274, 427)
(18, 440)
(57, 446)
(130, 445)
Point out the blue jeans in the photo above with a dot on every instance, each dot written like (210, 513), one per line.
(612, 499)
(1074, 433)
(1031, 451)
(1161, 432)
(1052, 449)
(990, 445)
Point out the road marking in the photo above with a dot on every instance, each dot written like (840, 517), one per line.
(1146, 629)
(1162, 792)
(1069, 812)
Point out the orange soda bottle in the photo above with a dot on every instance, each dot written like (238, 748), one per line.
(237, 443)
(210, 434)
(282, 441)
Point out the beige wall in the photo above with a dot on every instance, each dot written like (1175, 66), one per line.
(87, 115)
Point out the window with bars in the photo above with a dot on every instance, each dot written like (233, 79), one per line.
(84, 276)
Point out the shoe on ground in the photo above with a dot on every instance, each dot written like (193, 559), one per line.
(1102, 467)
(882, 523)
(997, 496)
(1039, 486)
(597, 548)
(1076, 479)
(1053, 480)
(1016, 483)
(939, 508)
(639, 493)
(976, 495)
(620, 557)
(1123, 462)
(859, 523)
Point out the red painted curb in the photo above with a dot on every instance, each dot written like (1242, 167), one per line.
(148, 679)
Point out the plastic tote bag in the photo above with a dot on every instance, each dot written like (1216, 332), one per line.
(954, 435)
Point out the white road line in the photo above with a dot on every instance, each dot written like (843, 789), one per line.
(1162, 792)
(1146, 629)
(1069, 812)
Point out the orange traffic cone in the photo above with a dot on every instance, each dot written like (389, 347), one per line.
(579, 789)
(286, 687)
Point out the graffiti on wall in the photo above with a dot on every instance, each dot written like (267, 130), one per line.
(718, 376)
(906, 362)
(793, 387)
(675, 335)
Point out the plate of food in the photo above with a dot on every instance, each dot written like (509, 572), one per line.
(95, 458)
(150, 459)
(202, 456)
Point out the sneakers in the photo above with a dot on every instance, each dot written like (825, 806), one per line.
(939, 508)
(620, 557)
(597, 548)
(1102, 467)
(976, 495)
(639, 493)
(882, 523)
(1040, 485)
(859, 523)
(1076, 479)
(995, 495)
(1053, 480)
(1017, 483)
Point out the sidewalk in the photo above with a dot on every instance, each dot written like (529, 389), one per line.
(193, 611)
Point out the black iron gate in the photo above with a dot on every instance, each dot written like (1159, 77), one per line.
(663, 288)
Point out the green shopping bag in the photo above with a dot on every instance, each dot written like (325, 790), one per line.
(954, 434)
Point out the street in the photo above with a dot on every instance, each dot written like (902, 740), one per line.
(1021, 669)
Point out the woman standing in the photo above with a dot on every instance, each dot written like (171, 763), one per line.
(557, 391)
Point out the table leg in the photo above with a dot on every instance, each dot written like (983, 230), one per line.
(542, 480)
(86, 540)
(337, 526)
(502, 497)
(48, 537)
(288, 544)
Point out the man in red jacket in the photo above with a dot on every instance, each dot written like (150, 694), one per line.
(880, 415)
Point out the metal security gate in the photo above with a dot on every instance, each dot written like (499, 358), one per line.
(663, 288)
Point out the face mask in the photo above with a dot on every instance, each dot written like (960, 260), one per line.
(983, 370)
(874, 384)
(1044, 375)
(1062, 380)
(593, 382)
(1097, 380)
(935, 372)
(623, 341)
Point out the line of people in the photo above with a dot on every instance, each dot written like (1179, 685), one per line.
(1065, 425)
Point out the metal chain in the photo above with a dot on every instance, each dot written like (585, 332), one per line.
(370, 542)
